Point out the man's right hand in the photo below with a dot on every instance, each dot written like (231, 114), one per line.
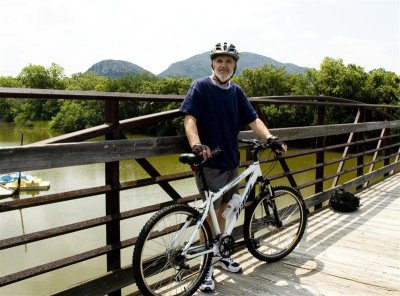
(201, 150)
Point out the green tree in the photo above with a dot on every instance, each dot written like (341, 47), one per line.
(76, 115)
(8, 81)
(264, 81)
(9, 107)
(131, 83)
(35, 76)
(271, 81)
(6, 114)
(333, 79)
(31, 111)
(338, 80)
(166, 86)
(303, 84)
(384, 87)
(87, 82)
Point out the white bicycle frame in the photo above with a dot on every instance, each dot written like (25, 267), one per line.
(254, 171)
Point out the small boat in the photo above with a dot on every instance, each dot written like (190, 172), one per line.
(11, 177)
(34, 183)
(6, 192)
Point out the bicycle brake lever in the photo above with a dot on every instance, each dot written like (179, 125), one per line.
(215, 152)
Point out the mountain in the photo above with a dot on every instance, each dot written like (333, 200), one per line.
(115, 68)
(200, 65)
(194, 67)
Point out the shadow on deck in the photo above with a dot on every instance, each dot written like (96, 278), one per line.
(342, 254)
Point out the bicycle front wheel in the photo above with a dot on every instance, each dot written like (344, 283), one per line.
(158, 264)
(275, 226)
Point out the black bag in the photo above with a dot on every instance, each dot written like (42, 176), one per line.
(343, 201)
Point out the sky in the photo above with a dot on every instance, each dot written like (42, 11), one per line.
(153, 34)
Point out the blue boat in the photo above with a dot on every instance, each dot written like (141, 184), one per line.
(11, 177)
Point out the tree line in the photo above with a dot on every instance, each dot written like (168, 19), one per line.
(333, 79)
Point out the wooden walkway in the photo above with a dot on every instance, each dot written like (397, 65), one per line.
(342, 254)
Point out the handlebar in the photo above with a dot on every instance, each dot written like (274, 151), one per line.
(195, 160)
(276, 146)
(256, 145)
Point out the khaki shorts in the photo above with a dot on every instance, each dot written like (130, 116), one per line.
(216, 179)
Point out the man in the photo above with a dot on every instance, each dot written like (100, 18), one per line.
(214, 110)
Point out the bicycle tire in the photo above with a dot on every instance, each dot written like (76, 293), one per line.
(266, 240)
(158, 267)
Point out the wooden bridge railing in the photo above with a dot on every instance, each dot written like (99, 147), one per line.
(376, 156)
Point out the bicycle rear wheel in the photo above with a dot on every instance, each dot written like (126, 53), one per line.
(274, 234)
(158, 266)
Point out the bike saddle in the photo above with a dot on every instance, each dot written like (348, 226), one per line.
(189, 158)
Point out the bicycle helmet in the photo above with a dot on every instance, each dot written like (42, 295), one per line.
(224, 49)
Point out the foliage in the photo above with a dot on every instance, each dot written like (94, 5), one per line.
(383, 87)
(264, 81)
(36, 110)
(8, 81)
(333, 79)
(35, 76)
(165, 86)
(76, 115)
(87, 81)
(7, 113)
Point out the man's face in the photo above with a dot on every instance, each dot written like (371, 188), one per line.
(223, 67)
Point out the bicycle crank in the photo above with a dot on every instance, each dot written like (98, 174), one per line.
(227, 244)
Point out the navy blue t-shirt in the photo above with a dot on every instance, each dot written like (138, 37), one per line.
(220, 113)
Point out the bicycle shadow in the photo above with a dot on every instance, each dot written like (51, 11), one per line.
(264, 279)
(285, 277)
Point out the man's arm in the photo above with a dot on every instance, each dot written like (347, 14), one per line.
(192, 134)
(190, 124)
(262, 131)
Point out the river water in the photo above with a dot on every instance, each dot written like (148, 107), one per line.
(30, 220)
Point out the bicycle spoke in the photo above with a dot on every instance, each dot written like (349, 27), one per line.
(161, 267)
(276, 236)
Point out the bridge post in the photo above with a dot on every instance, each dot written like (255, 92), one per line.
(360, 136)
(113, 197)
(320, 157)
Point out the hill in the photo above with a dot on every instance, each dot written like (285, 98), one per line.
(200, 65)
(195, 67)
(115, 68)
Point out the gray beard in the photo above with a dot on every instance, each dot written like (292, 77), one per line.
(223, 77)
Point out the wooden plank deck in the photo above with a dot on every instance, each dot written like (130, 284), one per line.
(342, 254)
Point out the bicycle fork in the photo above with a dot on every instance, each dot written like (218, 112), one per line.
(271, 203)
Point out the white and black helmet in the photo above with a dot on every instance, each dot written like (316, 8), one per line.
(224, 49)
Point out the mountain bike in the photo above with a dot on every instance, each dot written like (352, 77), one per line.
(174, 249)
